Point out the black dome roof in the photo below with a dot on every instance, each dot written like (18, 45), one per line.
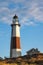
(15, 16)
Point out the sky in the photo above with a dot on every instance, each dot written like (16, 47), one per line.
(30, 15)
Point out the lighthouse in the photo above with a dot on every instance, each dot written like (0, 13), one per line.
(15, 49)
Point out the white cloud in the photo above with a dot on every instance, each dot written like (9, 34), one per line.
(25, 9)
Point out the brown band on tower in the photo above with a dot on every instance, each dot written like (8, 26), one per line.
(15, 42)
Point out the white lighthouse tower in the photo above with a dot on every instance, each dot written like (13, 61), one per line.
(15, 49)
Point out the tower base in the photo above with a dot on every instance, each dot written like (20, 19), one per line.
(15, 53)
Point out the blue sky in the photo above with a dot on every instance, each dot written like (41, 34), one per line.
(30, 13)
